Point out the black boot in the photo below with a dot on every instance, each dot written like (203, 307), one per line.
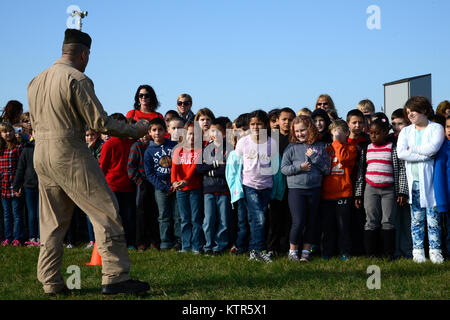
(370, 242)
(388, 240)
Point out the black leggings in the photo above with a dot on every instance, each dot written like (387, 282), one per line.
(304, 207)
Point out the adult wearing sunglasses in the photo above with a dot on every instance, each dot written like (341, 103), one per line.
(184, 105)
(325, 102)
(145, 104)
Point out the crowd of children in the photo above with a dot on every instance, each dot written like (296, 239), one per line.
(265, 184)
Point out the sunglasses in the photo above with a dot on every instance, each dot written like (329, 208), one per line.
(185, 103)
(144, 95)
(25, 121)
(323, 104)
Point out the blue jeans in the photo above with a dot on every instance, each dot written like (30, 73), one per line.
(257, 202)
(169, 219)
(418, 216)
(216, 221)
(243, 228)
(32, 201)
(12, 214)
(190, 207)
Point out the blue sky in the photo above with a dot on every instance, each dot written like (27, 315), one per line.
(233, 56)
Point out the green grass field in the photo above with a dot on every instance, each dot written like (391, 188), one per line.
(175, 276)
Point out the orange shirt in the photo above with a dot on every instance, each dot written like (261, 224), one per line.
(339, 183)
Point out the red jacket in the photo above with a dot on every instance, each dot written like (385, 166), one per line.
(184, 163)
(138, 115)
(113, 161)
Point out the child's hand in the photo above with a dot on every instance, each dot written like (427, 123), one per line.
(181, 184)
(171, 190)
(310, 152)
(305, 166)
(358, 203)
(401, 200)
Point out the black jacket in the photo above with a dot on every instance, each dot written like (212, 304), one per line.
(213, 170)
(25, 174)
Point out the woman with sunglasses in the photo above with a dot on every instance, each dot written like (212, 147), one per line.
(145, 104)
(325, 102)
(184, 105)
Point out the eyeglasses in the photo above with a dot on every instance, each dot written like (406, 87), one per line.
(26, 121)
(322, 104)
(144, 95)
(185, 103)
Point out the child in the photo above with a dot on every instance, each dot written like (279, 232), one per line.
(337, 193)
(441, 181)
(113, 162)
(381, 183)
(26, 181)
(158, 167)
(175, 129)
(356, 122)
(368, 109)
(239, 228)
(304, 112)
(322, 121)
(147, 230)
(305, 162)
(417, 144)
(403, 240)
(279, 218)
(215, 191)
(188, 186)
(260, 161)
(204, 117)
(10, 151)
(273, 116)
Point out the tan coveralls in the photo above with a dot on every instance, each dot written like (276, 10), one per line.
(62, 102)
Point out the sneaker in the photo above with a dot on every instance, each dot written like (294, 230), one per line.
(264, 256)
(306, 256)
(90, 245)
(253, 256)
(196, 252)
(345, 257)
(436, 256)
(177, 246)
(16, 243)
(131, 247)
(69, 246)
(154, 246)
(30, 243)
(5, 242)
(233, 250)
(128, 286)
(419, 255)
(209, 253)
(293, 256)
(142, 247)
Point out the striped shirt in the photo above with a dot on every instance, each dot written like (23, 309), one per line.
(380, 171)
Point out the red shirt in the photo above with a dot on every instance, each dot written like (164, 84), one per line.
(113, 161)
(184, 163)
(139, 115)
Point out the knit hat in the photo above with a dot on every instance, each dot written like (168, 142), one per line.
(77, 36)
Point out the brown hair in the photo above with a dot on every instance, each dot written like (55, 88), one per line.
(419, 104)
(5, 127)
(313, 133)
(442, 107)
(339, 123)
(204, 112)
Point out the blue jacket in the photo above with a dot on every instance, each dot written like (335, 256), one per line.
(233, 175)
(441, 178)
(158, 164)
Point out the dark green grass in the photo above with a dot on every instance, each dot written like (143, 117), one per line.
(175, 276)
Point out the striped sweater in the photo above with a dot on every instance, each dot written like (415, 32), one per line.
(379, 172)
(135, 166)
(399, 173)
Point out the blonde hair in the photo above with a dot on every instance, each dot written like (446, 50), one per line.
(6, 127)
(185, 95)
(366, 106)
(329, 100)
(339, 124)
(304, 112)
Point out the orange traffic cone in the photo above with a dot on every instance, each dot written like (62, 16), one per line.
(96, 259)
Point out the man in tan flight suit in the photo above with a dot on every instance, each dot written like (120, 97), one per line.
(62, 105)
